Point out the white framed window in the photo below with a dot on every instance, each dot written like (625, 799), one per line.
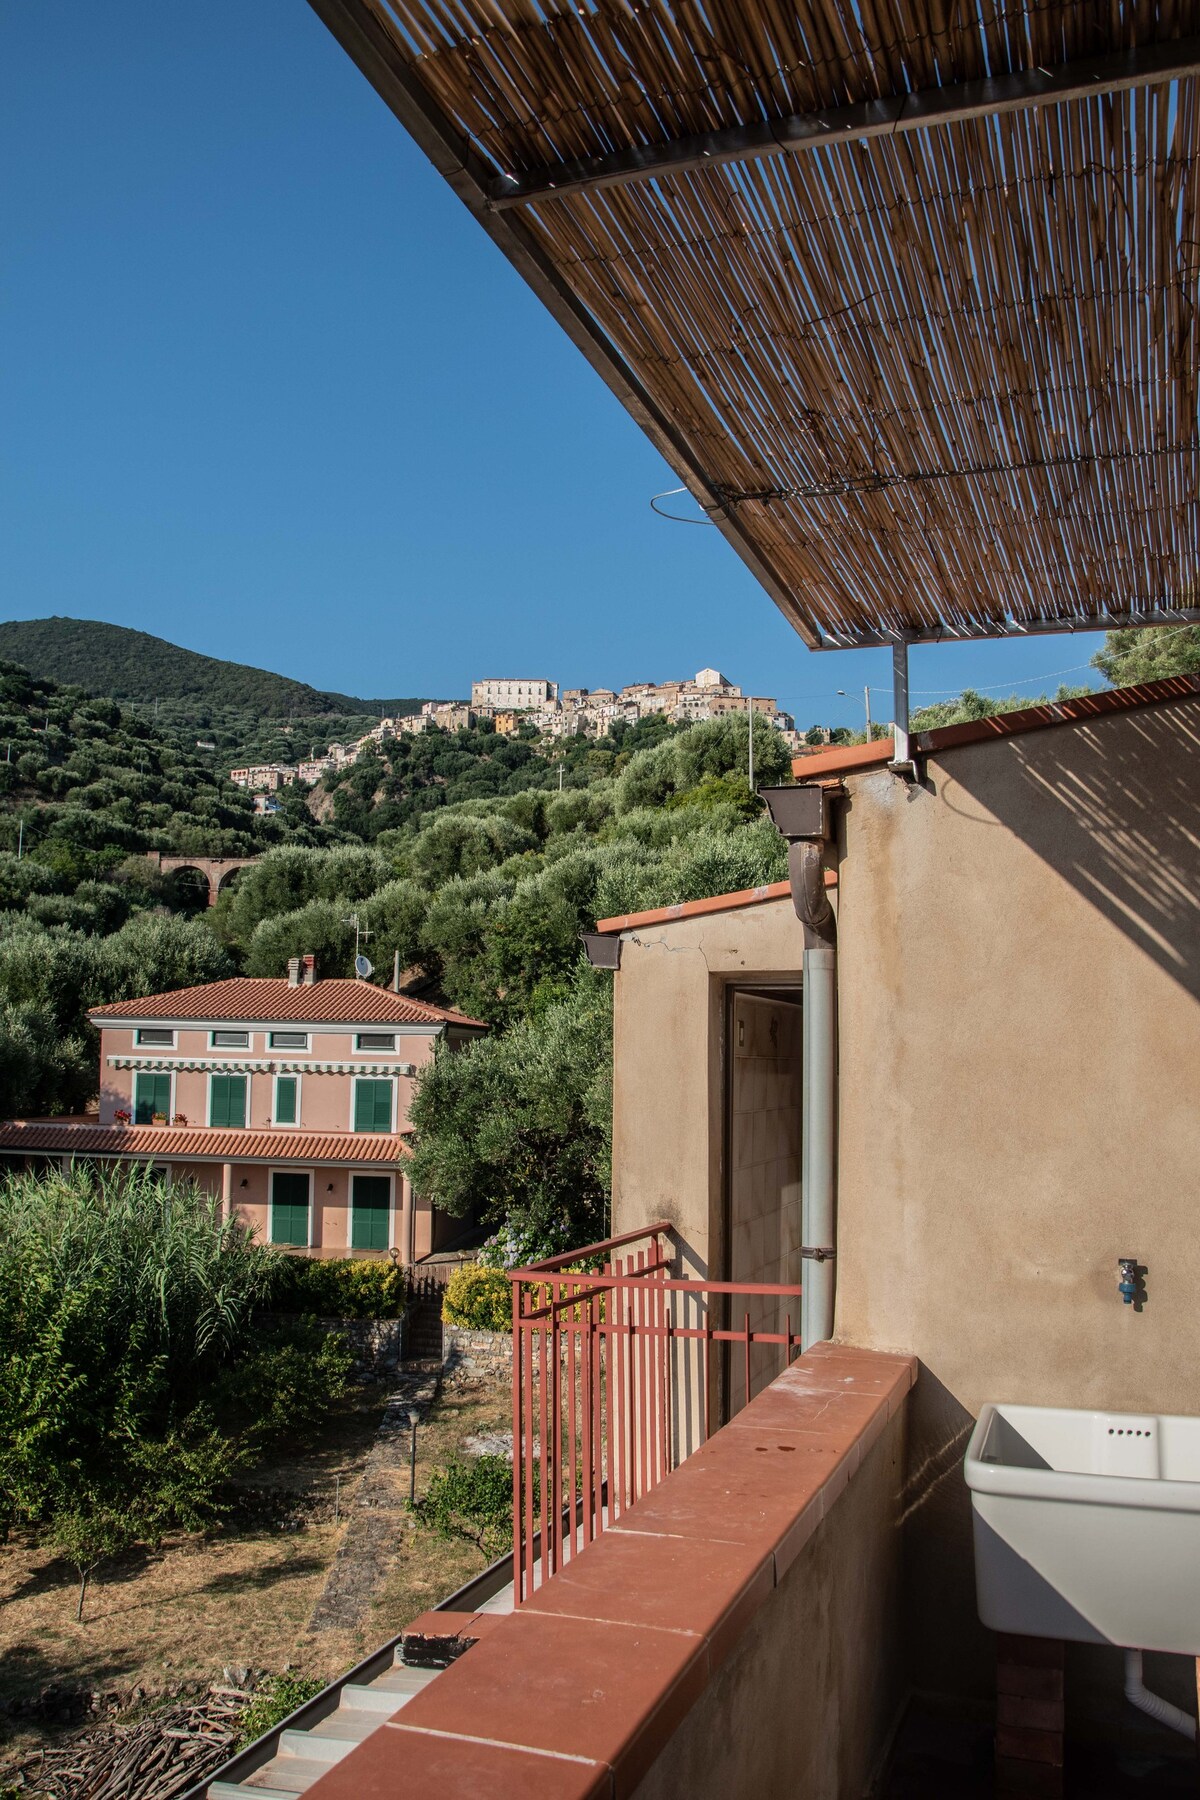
(228, 1101)
(373, 1103)
(375, 1040)
(153, 1096)
(229, 1040)
(288, 1040)
(285, 1101)
(156, 1037)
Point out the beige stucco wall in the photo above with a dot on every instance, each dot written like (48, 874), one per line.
(1019, 971)
(668, 1068)
(820, 1665)
(1019, 1041)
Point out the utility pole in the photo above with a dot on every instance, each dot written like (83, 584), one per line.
(866, 704)
(20, 839)
(752, 743)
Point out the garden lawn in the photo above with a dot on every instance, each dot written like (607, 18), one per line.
(240, 1595)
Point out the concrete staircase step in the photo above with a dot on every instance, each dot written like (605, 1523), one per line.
(323, 1743)
(290, 1775)
(238, 1790)
(388, 1692)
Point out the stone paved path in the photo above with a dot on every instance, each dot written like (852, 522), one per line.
(378, 1518)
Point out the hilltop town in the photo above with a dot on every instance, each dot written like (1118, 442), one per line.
(512, 701)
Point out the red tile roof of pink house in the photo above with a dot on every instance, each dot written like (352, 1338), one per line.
(184, 1143)
(269, 1000)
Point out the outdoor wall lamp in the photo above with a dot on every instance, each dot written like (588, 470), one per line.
(601, 950)
(244, 1182)
(329, 1187)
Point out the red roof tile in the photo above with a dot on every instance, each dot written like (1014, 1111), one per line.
(844, 759)
(181, 1143)
(254, 999)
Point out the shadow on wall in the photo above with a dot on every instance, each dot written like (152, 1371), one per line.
(1115, 808)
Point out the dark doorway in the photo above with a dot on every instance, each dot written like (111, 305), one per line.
(764, 1067)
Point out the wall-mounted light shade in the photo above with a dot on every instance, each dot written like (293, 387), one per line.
(603, 951)
(798, 811)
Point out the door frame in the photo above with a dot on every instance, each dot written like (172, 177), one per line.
(283, 1169)
(387, 1175)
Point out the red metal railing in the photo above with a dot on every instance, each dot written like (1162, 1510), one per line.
(619, 1371)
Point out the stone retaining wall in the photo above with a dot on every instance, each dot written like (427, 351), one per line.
(376, 1343)
(474, 1352)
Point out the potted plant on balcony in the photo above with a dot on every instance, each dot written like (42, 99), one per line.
(180, 1119)
(122, 1116)
(158, 1118)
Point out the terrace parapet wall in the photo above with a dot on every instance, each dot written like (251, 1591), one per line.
(736, 1632)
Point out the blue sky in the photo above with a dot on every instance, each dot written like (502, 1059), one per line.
(268, 391)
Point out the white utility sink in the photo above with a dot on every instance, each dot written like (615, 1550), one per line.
(1087, 1525)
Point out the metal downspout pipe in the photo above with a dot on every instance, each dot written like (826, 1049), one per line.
(819, 1124)
(819, 1142)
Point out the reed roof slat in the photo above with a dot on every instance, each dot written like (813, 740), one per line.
(939, 381)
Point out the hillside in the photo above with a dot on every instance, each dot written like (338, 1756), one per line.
(84, 784)
(132, 665)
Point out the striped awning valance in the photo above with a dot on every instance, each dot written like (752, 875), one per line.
(227, 1065)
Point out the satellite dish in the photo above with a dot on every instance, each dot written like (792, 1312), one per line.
(363, 968)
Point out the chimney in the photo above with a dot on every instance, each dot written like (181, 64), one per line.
(293, 971)
(308, 971)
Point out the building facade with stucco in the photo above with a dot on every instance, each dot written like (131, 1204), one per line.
(1018, 1029)
(287, 1099)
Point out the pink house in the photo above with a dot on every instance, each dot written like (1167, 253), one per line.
(288, 1098)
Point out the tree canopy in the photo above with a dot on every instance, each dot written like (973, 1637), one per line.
(1129, 657)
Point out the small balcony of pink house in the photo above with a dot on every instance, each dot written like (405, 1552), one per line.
(706, 1554)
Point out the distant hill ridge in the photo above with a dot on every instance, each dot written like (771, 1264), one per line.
(121, 664)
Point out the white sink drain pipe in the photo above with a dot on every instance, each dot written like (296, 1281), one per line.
(1138, 1694)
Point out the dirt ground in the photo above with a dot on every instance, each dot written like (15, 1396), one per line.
(426, 1569)
(243, 1594)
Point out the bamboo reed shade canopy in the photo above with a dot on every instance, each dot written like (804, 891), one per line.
(907, 294)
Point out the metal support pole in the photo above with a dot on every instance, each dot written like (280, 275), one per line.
(902, 761)
(819, 1145)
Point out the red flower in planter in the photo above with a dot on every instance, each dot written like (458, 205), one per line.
(121, 1117)
(179, 1119)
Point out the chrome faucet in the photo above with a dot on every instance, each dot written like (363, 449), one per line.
(1129, 1285)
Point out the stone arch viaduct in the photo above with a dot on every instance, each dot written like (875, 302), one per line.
(216, 870)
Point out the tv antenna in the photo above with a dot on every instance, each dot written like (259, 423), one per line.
(362, 967)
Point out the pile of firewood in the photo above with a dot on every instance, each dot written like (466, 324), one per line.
(157, 1757)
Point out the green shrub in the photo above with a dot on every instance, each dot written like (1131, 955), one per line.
(478, 1297)
(286, 1382)
(340, 1290)
(273, 1700)
(471, 1500)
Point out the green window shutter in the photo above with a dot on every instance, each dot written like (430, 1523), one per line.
(370, 1212)
(289, 1209)
(285, 1099)
(151, 1094)
(227, 1101)
(372, 1105)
